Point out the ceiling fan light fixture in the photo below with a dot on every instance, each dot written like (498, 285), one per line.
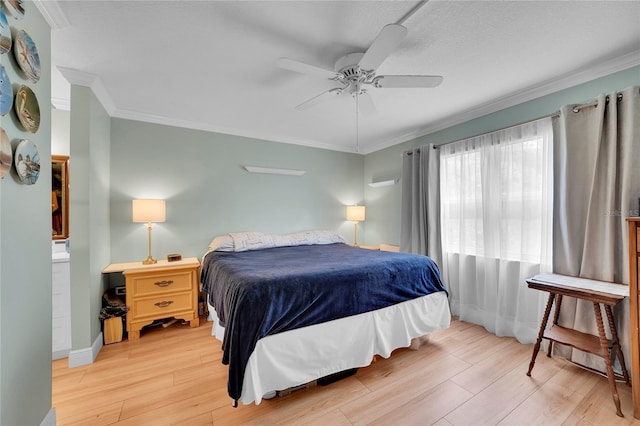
(354, 70)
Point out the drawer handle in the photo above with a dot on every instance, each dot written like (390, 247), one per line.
(164, 304)
(163, 283)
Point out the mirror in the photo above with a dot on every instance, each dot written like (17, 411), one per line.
(59, 197)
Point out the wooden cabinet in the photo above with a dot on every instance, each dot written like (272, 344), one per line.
(157, 291)
(634, 312)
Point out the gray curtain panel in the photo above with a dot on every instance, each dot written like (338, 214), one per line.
(420, 209)
(596, 187)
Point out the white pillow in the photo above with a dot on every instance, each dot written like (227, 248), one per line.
(222, 243)
(314, 237)
(245, 241)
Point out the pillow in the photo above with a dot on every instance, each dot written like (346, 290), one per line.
(222, 243)
(245, 241)
(315, 237)
(328, 237)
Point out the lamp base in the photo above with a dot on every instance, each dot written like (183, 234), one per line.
(149, 261)
(355, 234)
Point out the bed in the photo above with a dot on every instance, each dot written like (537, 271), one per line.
(294, 308)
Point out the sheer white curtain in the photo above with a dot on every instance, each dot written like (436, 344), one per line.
(496, 212)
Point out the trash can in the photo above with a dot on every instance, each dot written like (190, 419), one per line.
(113, 316)
(112, 330)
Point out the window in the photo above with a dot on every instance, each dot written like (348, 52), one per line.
(496, 194)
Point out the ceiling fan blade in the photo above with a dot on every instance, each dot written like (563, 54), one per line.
(407, 81)
(365, 103)
(301, 67)
(319, 98)
(384, 44)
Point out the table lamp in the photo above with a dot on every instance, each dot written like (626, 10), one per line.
(149, 211)
(355, 214)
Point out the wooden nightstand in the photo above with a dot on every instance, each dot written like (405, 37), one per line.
(162, 290)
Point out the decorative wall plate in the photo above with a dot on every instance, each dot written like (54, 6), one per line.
(6, 91)
(27, 162)
(15, 8)
(26, 54)
(5, 33)
(27, 109)
(5, 153)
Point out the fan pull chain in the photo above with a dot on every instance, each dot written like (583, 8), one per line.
(357, 135)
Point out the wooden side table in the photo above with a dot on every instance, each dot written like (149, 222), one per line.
(160, 290)
(598, 292)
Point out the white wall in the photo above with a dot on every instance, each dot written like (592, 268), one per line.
(60, 132)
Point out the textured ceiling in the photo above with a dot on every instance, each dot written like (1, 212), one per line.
(211, 65)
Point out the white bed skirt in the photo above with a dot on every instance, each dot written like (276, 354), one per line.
(299, 356)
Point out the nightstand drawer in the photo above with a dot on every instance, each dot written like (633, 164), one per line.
(165, 305)
(161, 283)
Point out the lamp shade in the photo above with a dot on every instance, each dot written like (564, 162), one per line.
(355, 213)
(148, 211)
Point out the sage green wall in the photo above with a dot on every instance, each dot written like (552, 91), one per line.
(383, 204)
(25, 251)
(88, 213)
(208, 193)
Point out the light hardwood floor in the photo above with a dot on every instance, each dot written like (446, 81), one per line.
(462, 376)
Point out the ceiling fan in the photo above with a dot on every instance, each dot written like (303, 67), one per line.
(355, 71)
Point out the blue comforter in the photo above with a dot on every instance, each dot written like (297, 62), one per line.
(262, 292)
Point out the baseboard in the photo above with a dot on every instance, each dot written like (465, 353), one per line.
(87, 355)
(64, 353)
(50, 418)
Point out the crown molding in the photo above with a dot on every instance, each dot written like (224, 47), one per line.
(208, 127)
(103, 96)
(91, 81)
(52, 13)
(546, 88)
(60, 103)
(80, 78)
(567, 81)
(602, 69)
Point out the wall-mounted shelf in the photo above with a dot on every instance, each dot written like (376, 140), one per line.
(383, 183)
(272, 171)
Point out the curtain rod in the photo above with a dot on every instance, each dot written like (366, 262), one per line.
(555, 114)
(594, 103)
